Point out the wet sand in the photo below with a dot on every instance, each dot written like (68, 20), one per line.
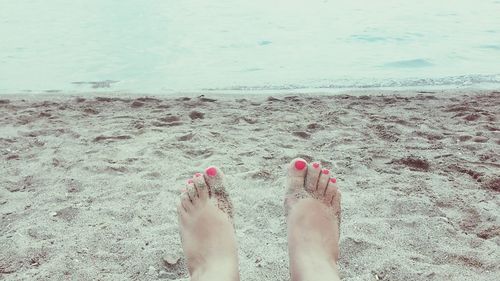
(89, 184)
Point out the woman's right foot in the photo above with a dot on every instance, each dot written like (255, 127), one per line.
(313, 217)
(207, 234)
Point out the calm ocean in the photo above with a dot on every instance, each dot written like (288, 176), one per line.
(168, 46)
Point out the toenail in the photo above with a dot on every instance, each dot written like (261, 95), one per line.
(333, 180)
(316, 165)
(325, 171)
(300, 165)
(211, 171)
(183, 190)
(190, 181)
(197, 175)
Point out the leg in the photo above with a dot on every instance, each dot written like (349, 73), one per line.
(313, 218)
(207, 234)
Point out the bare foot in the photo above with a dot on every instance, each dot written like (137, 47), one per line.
(313, 217)
(207, 233)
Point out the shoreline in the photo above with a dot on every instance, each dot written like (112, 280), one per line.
(258, 94)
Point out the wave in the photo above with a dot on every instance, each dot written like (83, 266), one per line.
(442, 82)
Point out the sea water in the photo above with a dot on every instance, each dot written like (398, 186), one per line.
(169, 46)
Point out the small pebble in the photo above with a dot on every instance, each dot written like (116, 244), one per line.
(151, 270)
(170, 260)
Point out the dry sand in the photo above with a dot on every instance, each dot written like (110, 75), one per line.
(88, 186)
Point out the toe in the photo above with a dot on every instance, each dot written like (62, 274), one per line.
(330, 192)
(186, 202)
(323, 182)
(297, 168)
(200, 187)
(313, 172)
(296, 174)
(192, 193)
(214, 178)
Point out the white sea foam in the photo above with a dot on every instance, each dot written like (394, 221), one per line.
(170, 46)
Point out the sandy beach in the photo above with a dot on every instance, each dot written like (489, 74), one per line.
(89, 184)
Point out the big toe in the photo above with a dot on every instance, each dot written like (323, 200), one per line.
(215, 181)
(214, 178)
(297, 170)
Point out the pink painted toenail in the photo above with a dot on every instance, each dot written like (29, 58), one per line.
(211, 171)
(300, 165)
(333, 180)
(197, 175)
(316, 165)
(325, 171)
(190, 181)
